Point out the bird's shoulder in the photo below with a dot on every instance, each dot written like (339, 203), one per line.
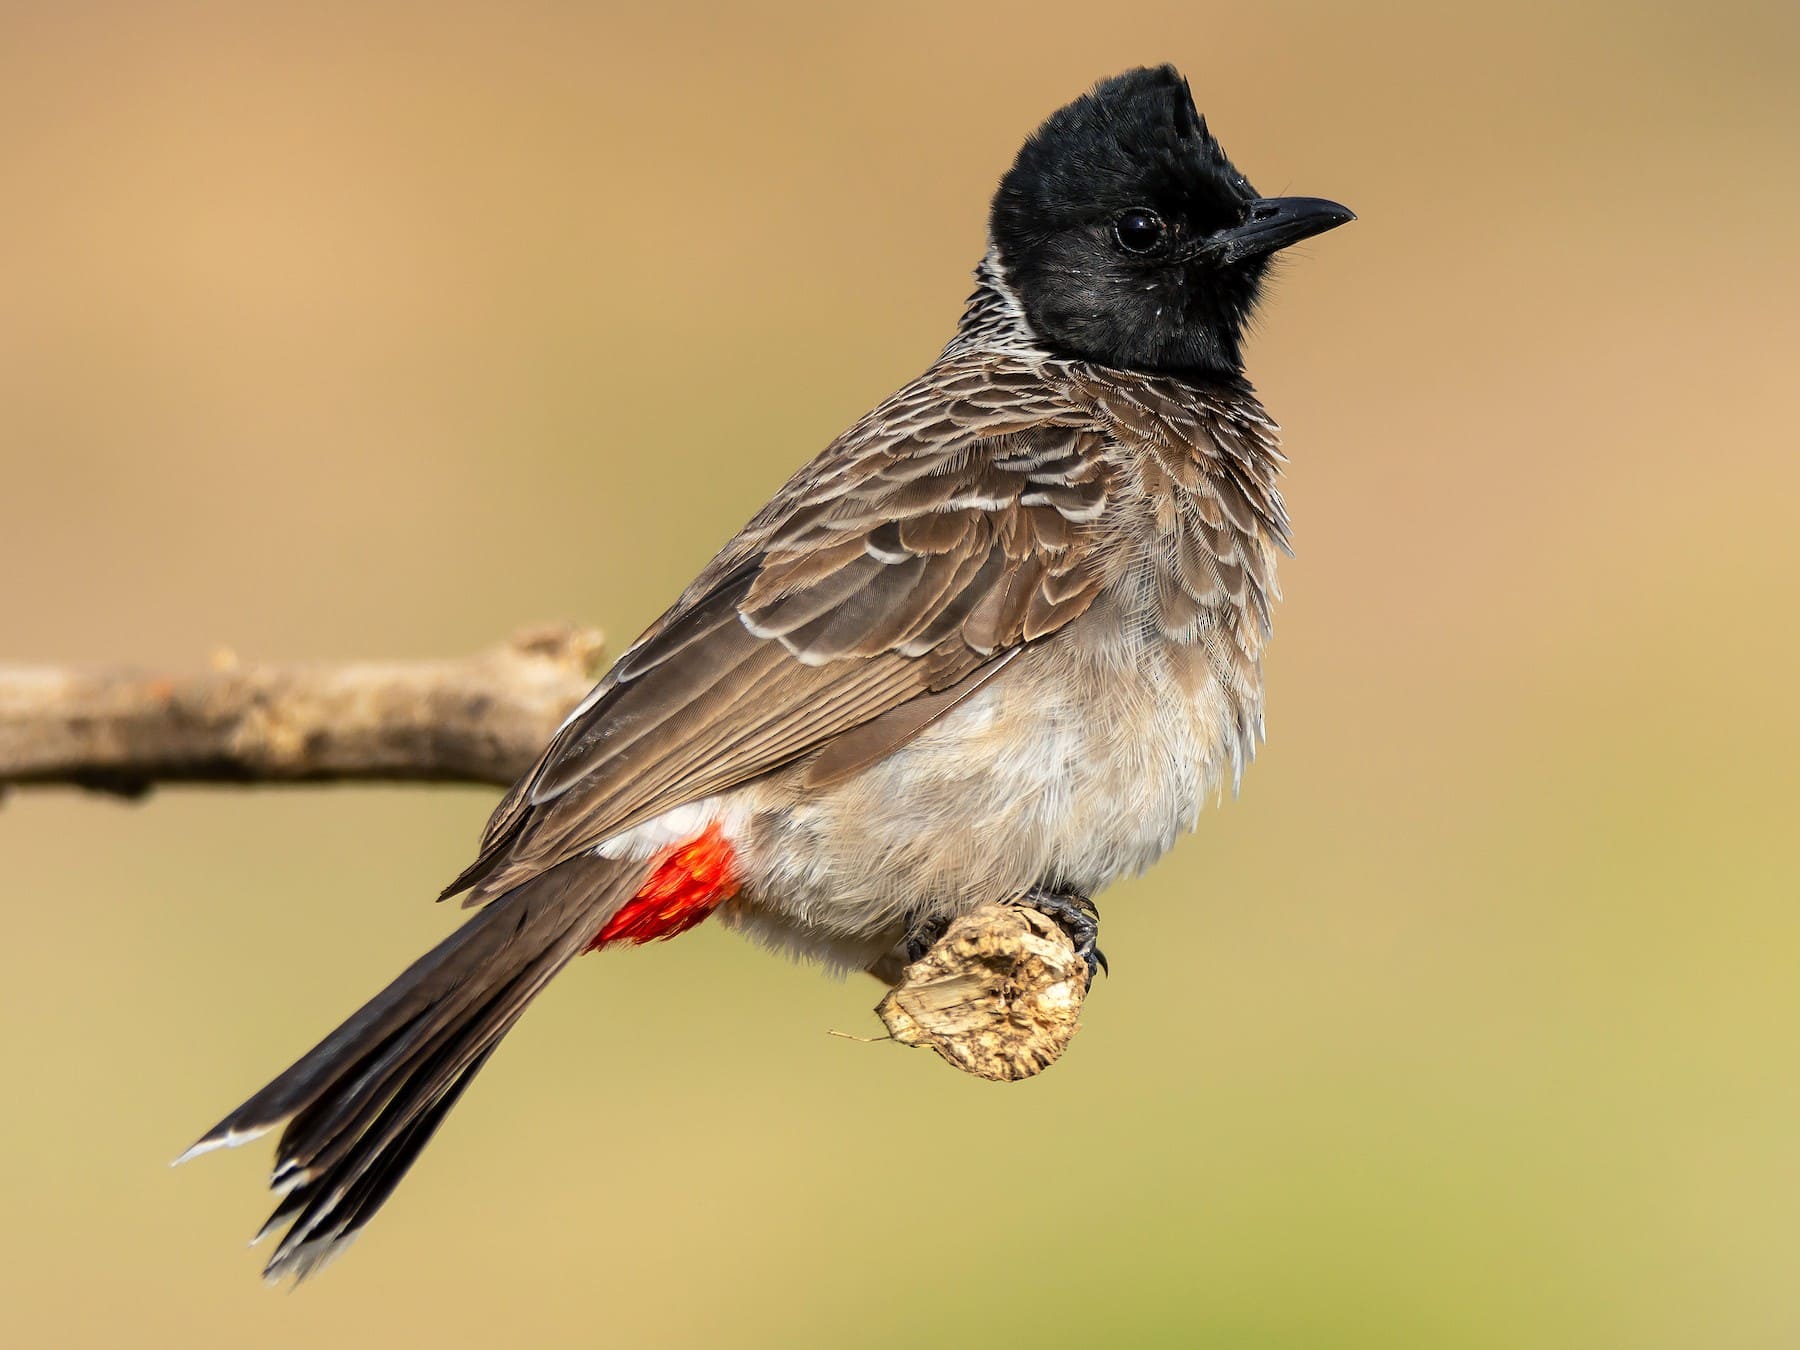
(947, 427)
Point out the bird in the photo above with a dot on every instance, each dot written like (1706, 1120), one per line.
(999, 642)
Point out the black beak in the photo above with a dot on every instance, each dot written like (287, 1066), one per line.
(1276, 222)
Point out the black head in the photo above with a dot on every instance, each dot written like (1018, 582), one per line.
(1130, 239)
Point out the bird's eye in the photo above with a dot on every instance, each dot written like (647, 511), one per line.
(1139, 230)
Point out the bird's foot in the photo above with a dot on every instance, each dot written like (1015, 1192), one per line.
(1077, 916)
(923, 936)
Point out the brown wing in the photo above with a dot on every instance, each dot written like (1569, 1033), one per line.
(887, 580)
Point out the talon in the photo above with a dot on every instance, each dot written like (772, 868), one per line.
(1077, 916)
(923, 936)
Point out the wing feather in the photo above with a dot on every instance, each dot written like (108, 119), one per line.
(887, 581)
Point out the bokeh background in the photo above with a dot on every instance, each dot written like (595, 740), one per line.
(339, 330)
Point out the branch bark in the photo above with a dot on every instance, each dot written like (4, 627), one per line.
(998, 996)
(477, 719)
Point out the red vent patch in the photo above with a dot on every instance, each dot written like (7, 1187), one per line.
(686, 883)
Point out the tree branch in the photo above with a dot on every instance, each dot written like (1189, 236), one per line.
(478, 719)
(998, 996)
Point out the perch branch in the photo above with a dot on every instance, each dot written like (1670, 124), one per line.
(998, 996)
(476, 719)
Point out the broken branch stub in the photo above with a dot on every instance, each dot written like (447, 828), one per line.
(998, 996)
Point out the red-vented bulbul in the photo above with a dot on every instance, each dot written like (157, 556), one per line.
(998, 642)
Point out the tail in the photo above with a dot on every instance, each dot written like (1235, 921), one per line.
(363, 1102)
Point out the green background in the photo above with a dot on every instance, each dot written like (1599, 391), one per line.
(348, 330)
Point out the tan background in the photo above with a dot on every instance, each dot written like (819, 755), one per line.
(380, 331)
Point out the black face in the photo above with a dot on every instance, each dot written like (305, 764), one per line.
(1130, 239)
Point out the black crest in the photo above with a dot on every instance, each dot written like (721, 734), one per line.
(1129, 236)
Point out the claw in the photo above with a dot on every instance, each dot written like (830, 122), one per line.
(923, 936)
(1077, 916)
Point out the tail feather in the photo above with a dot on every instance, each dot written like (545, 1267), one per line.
(322, 1222)
(402, 1071)
(362, 1103)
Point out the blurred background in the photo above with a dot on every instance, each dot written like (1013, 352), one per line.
(367, 330)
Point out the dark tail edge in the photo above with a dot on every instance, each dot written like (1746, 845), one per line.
(361, 1105)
